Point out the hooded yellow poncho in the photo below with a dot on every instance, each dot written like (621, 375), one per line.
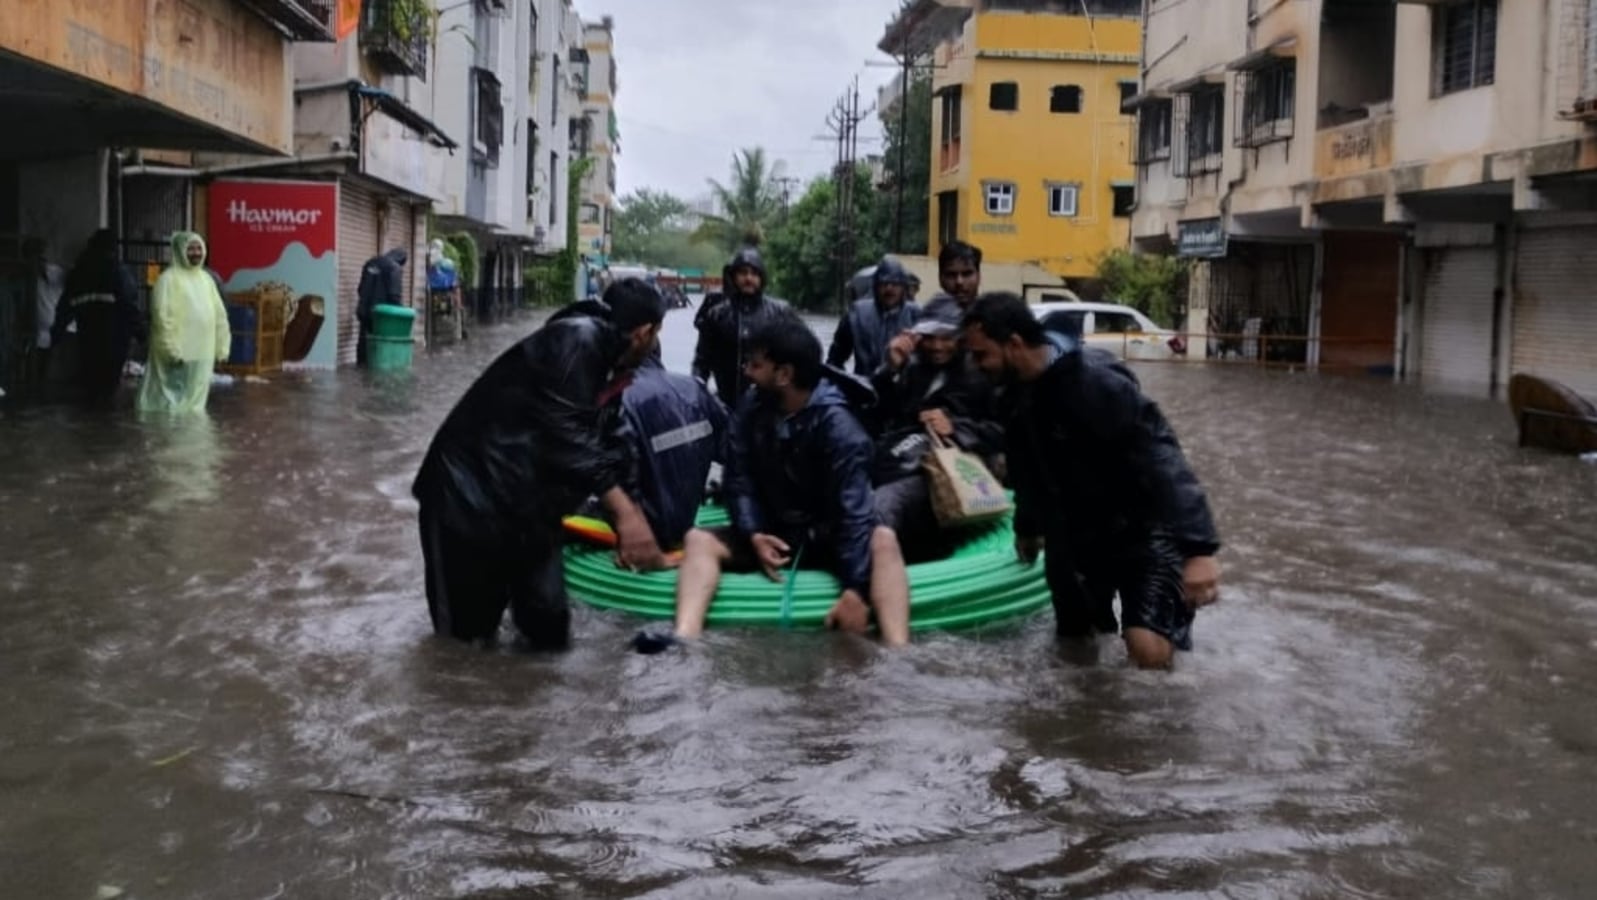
(188, 334)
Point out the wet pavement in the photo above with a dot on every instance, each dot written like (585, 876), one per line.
(217, 679)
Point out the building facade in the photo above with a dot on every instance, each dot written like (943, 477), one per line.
(1395, 187)
(597, 136)
(1031, 155)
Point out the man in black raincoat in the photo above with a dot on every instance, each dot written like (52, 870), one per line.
(798, 489)
(677, 429)
(103, 300)
(1100, 482)
(871, 322)
(726, 326)
(932, 389)
(536, 434)
(382, 280)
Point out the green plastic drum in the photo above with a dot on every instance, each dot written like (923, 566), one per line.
(388, 354)
(393, 321)
(981, 584)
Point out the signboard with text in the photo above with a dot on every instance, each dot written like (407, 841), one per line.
(282, 236)
(1201, 238)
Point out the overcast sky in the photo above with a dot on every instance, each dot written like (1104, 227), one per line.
(700, 79)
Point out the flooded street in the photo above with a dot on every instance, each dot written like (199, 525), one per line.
(218, 679)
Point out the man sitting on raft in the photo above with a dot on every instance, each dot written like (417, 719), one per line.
(798, 489)
(676, 428)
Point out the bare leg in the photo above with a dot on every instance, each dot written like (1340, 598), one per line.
(1148, 649)
(703, 555)
(889, 587)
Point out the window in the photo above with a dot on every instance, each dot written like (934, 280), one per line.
(1464, 45)
(591, 214)
(1128, 89)
(948, 148)
(947, 217)
(999, 197)
(1062, 198)
(556, 197)
(1205, 129)
(1004, 96)
(1114, 323)
(532, 162)
(1268, 104)
(490, 112)
(1125, 199)
(1153, 131)
(1064, 98)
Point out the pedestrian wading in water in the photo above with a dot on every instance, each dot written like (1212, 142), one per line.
(188, 332)
(1100, 482)
(532, 438)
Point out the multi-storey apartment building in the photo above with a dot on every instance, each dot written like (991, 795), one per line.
(1392, 186)
(1031, 151)
(598, 137)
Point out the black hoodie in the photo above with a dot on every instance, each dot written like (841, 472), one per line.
(724, 327)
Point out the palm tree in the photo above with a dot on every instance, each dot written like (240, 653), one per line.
(748, 202)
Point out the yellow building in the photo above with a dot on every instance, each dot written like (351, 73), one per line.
(1031, 155)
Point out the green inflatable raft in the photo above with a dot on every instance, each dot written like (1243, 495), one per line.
(981, 584)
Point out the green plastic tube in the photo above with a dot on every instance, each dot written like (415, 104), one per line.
(980, 584)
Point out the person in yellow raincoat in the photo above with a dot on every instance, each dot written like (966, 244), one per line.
(188, 332)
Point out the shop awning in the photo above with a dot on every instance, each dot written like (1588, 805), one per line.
(405, 114)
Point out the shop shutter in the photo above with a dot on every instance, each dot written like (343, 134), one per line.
(1555, 306)
(357, 242)
(1456, 335)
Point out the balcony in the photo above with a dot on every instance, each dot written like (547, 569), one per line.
(299, 20)
(1356, 148)
(395, 33)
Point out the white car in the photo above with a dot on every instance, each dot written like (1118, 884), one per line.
(1121, 330)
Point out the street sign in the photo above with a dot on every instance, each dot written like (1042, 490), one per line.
(1202, 238)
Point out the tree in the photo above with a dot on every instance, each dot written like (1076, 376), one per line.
(1145, 282)
(750, 202)
(913, 140)
(655, 228)
(802, 251)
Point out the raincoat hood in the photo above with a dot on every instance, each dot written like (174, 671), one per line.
(746, 256)
(890, 271)
(180, 246)
(398, 255)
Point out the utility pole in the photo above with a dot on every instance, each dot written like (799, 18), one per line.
(787, 182)
(843, 124)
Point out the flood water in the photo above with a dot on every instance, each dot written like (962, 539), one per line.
(219, 680)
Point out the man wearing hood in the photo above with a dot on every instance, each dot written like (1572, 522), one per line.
(535, 435)
(871, 322)
(382, 280)
(188, 332)
(102, 300)
(932, 389)
(799, 493)
(1100, 483)
(724, 328)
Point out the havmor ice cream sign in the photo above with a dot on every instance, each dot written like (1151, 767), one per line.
(281, 236)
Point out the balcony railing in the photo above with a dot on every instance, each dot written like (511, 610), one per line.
(395, 34)
(301, 20)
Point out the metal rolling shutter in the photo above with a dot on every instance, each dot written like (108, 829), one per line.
(1555, 306)
(357, 242)
(1456, 340)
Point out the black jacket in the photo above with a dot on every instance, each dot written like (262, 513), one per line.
(382, 280)
(676, 429)
(537, 433)
(724, 325)
(805, 477)
(865, 330)
(94, 281)
(902, 396)
(1094, 462)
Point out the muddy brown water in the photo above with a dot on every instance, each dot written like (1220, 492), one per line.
(218, 679)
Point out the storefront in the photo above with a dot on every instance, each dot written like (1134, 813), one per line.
(1555, 305)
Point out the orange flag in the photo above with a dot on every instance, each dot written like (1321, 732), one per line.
(348, 18)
